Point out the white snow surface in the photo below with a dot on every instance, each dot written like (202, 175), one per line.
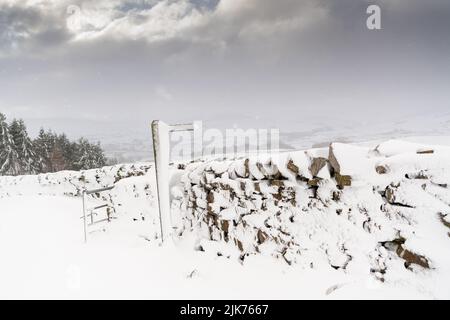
(44, 256)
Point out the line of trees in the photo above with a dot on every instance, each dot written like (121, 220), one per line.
(48, 152)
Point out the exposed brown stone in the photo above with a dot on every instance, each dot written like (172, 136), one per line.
(442, 218)
(262, 236)
(409, 256)
(278, 196)
(412, 258)
(425, 151)
(341, 180)
(247, 168)
(210, 197)
(239, 245)
(381, 169)
(333, 161)
(317, 164)
(336, 195)
(261, 169)
(210, 201)
(389, 194)
(225, 225)
(292, 167)
(277, 183)
(421, 175)
(314, 182)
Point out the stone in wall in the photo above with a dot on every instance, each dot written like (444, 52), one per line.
(342, 180)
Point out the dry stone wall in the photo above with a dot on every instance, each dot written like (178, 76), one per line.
(344, 206)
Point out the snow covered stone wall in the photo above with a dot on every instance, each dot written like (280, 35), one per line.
(70, 183)
(347, 207)
(381, 210)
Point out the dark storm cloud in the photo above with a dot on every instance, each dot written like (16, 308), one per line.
(28, 28)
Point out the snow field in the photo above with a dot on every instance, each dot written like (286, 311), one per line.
(262, 227)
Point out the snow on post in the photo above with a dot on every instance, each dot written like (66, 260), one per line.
(161, 150)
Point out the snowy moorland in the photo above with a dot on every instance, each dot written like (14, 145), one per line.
(345, 221)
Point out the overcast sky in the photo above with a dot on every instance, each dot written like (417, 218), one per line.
(259, 62)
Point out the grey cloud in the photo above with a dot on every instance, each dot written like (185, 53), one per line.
(260, 62)
(16, 24)
(27, 28)
(223, 24)
(209, 22)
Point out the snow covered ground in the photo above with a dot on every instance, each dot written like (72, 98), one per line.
(43, 254)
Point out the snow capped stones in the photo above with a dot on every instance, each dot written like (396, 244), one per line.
(398, 246)
(219, 167)
(241, 168)
(350, 163)
(334, 158)
(228, 214)
(292, 167)
(256, 170)
(395, 195)
(290, 207)
(394, 147)
(297, 164)
(390, 193)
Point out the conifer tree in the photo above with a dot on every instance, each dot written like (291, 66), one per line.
(44, 145)
(68, 149)
(24, 147)
(89, 155)
(49, 152)
(9, 159)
